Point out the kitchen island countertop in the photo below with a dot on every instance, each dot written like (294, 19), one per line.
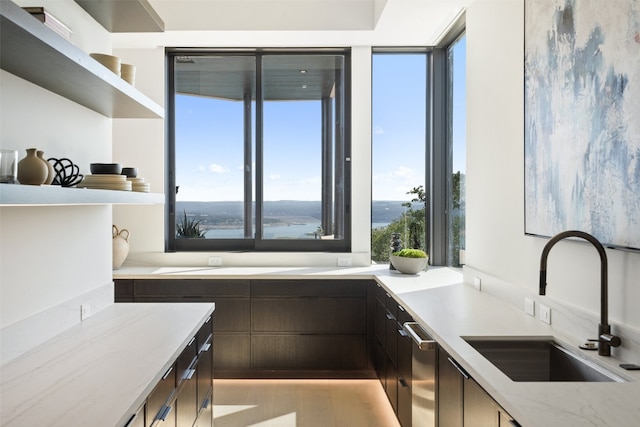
(100, 371)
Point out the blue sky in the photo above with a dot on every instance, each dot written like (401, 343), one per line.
(210, 166)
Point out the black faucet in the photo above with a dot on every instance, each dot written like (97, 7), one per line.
(605, 339)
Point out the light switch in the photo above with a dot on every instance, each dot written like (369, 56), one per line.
(545, 314)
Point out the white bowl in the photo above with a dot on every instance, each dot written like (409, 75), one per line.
(111, 62)
(409, 265)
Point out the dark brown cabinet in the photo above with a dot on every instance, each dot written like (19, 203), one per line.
(273, 327)
(461, 400)
(160, 403)
(309, 325)
(393, 351)
(182, 397)
(232, 326)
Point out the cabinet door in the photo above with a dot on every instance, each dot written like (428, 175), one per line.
(450, 392)
(187, 400)
(160, 410)
(204, 370)
(308, 352)
(137, 420)
(480, 410)
(380, 339)
(123, 290)
(405, 376)
(309, 315)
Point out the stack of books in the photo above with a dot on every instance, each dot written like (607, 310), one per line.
(50, 21)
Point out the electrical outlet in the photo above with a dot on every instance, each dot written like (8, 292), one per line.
(85, 311)
(545, 314)
(344, 262)
(215, 261)
(477, 283)
(529, 307)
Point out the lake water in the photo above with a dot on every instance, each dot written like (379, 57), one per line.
(294, 231)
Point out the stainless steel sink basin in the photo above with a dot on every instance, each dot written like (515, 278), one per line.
(539, 361)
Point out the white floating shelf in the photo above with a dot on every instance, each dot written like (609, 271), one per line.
(36, 53)
(54, 195)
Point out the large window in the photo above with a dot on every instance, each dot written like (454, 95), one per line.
(419, 149)
(399, 93)
(259, 150)
(456, 60)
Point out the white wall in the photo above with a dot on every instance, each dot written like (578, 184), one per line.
(52, 255)
(496, 244)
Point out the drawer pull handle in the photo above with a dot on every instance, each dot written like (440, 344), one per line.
(460, 369)
(205, 347)
(390, 316)
(188, 374)
(166, 374)
(163, 413)
(191, 342)
(419, 336)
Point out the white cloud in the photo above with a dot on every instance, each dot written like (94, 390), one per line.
(215, 168)
(377, 130)
(274, 177)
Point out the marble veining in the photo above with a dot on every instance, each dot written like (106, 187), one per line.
(100, 371)
(449, 309)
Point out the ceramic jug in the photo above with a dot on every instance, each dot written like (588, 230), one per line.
(120, 246)
(51, 173)
(32, 170)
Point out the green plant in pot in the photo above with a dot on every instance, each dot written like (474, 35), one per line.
(189, 228)
(409, 261)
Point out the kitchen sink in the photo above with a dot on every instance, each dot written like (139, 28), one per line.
(539, 360)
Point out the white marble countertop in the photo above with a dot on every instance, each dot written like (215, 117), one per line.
(99, 372)
(448, 310)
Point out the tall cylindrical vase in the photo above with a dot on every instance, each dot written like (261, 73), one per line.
(31, 169)
(51, 172)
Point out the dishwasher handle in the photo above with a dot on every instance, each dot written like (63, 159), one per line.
(419, 336)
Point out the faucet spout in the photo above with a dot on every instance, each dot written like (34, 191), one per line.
(605, 339)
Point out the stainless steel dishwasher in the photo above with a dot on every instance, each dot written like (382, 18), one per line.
(423, 378)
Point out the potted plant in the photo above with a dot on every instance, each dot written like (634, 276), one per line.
(409, 261)
(189, 228)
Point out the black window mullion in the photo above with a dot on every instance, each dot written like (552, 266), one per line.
(259, 151)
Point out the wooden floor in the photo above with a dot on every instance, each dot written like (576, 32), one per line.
(301, 403)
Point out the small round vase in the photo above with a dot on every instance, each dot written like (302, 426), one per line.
(51, 172)
(120, 246)
(32, 170)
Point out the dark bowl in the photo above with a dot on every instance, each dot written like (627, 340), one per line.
(130, 172)
(105, 168)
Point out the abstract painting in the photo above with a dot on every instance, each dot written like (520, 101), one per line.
(582, 119)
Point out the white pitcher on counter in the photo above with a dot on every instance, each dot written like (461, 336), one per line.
(120, 246)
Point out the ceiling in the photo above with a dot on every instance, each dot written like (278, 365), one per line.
(297, 23)
(303, 15)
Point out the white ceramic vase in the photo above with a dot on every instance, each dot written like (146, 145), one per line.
(120, 246)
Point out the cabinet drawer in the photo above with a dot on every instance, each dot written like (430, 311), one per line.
(232, 351)
(158, 404)
(337, 316)
(309, 288)
(232, 315)
(329, 352)
(191, 287)
(123, 290)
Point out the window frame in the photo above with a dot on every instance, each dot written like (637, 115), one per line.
(257, 243)
(439, 141)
